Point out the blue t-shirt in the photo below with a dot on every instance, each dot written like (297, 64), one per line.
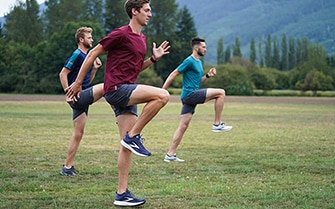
(73, 63)
(192, 71)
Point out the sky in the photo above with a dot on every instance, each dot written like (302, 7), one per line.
(6, 5)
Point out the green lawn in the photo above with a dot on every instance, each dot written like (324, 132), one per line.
(278, 155)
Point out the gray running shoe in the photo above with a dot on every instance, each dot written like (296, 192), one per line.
(68, 171)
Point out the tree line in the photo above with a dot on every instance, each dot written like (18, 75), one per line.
(286, 64)
(35, 44)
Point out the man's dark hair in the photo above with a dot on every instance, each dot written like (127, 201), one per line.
(196, 41)
(136, 4)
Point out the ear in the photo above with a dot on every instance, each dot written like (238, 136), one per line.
(134, 11)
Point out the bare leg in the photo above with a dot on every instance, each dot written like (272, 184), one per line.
(218, 95)
(179, 133)
(156, 98)
(98, 91)
(78, 132)
(125, 122)
(78, 128)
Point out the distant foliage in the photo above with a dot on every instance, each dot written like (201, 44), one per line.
(34, 46)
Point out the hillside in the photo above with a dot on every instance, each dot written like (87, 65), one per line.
(248, 19)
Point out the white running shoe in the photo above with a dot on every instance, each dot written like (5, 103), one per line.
(173, 158)
(221, 128)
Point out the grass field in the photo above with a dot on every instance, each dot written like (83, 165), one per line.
(278, 155)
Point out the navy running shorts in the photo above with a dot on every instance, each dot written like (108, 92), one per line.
(83, 102)
(190, 102)
(119, 99)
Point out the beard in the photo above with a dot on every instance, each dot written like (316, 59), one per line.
(87, 45)
(201, 54)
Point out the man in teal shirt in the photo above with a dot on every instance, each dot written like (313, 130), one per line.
(191, 95)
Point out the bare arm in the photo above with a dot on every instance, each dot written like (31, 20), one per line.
(75, 87)
(96, 65)
(63, 77)
(211, 73)
(157, 53)
(64, 81)
(170, 79)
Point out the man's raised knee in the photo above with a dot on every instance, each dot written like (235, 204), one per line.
(165, 96)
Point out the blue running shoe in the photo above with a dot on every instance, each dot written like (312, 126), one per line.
(127, 199)
(135, 145)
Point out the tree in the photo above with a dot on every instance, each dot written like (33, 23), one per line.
(185, 30)
(261, 60)
(237, 48)
(23, 23)
(315, 61)
(233, 78)
(315, 81)
(302, 51)
(220, 52)
(18, 75)
(227, 55)
(281, 79)
(291, 54)
(93, 11)
(268, 56)
(252, 51)
(166, 23)
(284, 53)
(115, 15)
(263, 80)
(276, 56)
(60, 12)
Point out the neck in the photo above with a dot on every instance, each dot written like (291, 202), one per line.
(136, 28)
(195, 55)
(82, 48)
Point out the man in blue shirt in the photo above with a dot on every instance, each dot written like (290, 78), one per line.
(191, 95)
(89, 94)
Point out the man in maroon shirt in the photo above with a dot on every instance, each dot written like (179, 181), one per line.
(126, 49)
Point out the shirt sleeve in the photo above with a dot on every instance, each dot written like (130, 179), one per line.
(113, 40)
(184, 66)
(71, 60)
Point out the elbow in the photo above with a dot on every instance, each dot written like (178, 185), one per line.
(61, 75)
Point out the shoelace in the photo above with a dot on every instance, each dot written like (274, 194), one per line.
(142, 139)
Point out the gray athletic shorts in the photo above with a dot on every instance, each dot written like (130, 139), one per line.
(190, 102)
(83, 102)
(119, 99)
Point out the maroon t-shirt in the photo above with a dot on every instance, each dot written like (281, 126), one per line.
(125, 56)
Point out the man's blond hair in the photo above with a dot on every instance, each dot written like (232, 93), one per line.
(81, 32)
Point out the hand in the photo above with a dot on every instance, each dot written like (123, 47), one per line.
(73, 90)
(69, 100)
(162, 50)
(212, 72)
(97, 63)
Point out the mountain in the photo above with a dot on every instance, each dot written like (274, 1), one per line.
(247, 19)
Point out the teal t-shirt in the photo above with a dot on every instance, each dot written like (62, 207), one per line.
(192, 71)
